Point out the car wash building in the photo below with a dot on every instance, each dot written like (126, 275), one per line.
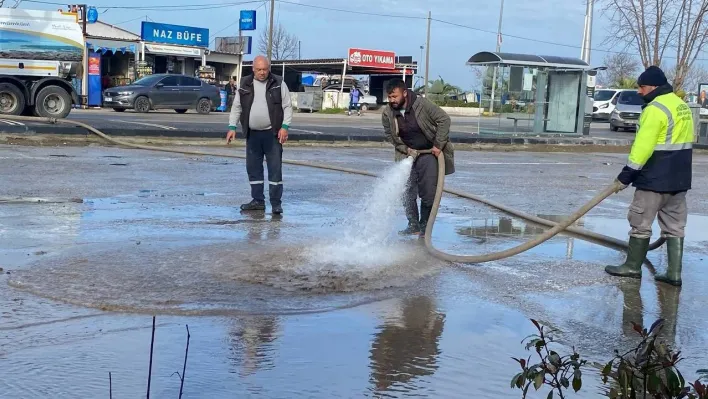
(339, 75)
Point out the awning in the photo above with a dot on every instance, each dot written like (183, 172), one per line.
(548, 61)
(105, 45)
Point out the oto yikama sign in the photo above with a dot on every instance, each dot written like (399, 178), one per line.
(372, 58)
(174, 34)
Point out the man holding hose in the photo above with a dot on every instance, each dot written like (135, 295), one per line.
(659, 167)
(413, 124)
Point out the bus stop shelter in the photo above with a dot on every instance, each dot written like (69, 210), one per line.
(536, 94)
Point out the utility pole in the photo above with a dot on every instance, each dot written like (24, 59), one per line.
(299, 50)
(587, 32)
(270, 31)
(494, 78)
(427, 56)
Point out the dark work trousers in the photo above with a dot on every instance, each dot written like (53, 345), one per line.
(422, 183)
(264, 143)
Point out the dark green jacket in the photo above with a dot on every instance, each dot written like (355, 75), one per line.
(432, 120)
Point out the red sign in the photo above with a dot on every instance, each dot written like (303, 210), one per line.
(372, 58)
(94, 66)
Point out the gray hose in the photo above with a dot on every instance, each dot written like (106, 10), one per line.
(555, 227)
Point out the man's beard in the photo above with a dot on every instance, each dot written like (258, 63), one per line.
(397, 105)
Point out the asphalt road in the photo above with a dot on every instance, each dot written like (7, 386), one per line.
(305, 125)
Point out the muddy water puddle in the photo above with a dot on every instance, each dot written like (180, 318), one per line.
(286, 310)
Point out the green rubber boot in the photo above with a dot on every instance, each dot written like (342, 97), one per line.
(674, 247)
(632, 266)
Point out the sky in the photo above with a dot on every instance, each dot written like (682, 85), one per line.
(327, 28)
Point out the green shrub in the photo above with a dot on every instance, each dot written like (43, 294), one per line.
(645, 371)
(455, 103)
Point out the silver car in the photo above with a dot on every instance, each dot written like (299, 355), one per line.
(163, 91)
(628, 108)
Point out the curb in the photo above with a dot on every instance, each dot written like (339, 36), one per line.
(324, 138)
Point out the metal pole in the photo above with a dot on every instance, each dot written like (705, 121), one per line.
(341, 88)
(587, 34)
(84, 14)
(240, 56)
(427, 56)
(299, 50)
(270, 31)
(494, 78)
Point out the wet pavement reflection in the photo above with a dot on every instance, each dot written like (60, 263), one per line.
(405, 349)
(270, 316)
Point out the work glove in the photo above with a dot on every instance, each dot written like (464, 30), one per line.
(620, 186)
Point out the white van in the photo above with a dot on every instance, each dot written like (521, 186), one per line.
(604, 102)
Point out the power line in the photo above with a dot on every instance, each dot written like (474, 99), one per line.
(350, 11)
(211, 6)
(457, 25)
(172, 7)
(131, 20)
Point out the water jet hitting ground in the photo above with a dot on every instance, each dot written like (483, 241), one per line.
(365, 240)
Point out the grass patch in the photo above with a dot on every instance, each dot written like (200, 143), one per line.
(332, 111)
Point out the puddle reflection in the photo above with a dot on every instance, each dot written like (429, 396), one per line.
(408, 348)
(251, 343)
(509, 227)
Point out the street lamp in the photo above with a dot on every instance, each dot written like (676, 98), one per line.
(587, 32)
(499, 40)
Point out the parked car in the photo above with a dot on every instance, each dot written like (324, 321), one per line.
(163, 91)
(366, 102)
(603, 105)
(627, 109)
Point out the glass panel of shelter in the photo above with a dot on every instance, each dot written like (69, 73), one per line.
(515, 99)
(519, 108)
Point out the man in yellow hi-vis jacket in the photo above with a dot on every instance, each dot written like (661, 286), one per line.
(659, 167)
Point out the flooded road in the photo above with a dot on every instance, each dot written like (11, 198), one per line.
(276, 311)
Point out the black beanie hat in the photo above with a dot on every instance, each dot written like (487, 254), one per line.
(653, 76)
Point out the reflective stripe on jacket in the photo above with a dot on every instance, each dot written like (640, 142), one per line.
(661, 156)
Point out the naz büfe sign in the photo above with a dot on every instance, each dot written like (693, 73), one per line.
(174, 34)
(372, 58)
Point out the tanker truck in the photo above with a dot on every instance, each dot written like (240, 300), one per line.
(40, 52)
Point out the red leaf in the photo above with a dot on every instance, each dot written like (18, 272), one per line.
(637, 327)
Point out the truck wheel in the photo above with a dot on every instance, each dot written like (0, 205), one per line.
(53, 102)
(142, 104)
(364, 107)
(12, 101)
(204, 106)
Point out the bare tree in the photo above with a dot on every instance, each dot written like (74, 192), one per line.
(285, 44)
(695, 76)
(660, 31)
(621, 67)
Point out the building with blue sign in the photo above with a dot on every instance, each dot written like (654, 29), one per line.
(159, 48)
(174, 48)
